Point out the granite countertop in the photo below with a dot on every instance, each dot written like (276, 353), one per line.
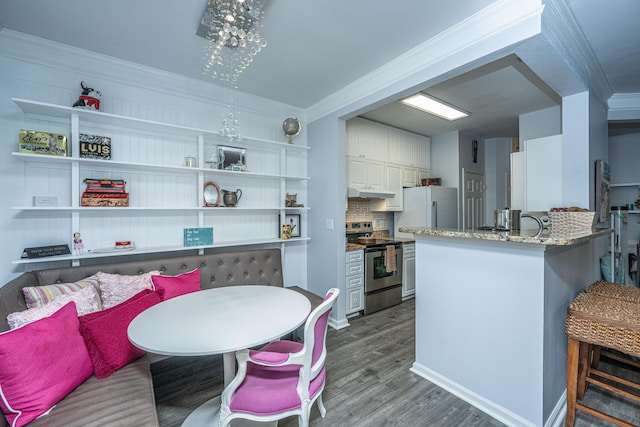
(354, 247)
(564, 239)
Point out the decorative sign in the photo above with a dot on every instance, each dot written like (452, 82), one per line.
(198, 236)
(45, 201)
(30, 141)
(95, 147)
(45, 251)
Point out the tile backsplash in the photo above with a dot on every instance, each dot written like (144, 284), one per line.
(359, 210)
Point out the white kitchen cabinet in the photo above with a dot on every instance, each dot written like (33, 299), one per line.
(408, 270)
(409, 149)
(409, 176)
(393, 176)
(354, 272)
(367, 140)
(365, 173)
(165, 196)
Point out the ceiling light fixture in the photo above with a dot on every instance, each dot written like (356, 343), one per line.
(231, 28)
(435, 107)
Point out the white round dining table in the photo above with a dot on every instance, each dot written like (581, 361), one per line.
(219, 320)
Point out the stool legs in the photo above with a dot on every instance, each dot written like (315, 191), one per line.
(584, 357)
(573, 370)
(579, 355)
(582, 361)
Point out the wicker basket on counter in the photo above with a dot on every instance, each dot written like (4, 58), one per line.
(571, 222)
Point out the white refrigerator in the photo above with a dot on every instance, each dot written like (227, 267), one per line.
(427, 207)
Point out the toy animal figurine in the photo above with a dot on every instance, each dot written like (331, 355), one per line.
(90, 98)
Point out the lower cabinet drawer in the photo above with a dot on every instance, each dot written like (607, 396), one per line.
(356, 267)
(351, 256)
(355, 281)
(355, 300)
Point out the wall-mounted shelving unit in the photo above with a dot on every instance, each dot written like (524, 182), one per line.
(629, 185)
(149, 156)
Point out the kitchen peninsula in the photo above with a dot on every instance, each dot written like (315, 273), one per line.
(490, 314)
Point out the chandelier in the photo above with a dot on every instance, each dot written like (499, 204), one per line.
(231, 28)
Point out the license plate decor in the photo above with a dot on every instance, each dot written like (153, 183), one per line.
(36, 142)
(95, 147)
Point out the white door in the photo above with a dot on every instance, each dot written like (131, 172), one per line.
(473, 197)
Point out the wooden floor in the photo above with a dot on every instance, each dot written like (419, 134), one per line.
(369, 382)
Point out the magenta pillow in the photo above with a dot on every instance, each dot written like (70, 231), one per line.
(172, 286)
(105, 333)
(40, 363)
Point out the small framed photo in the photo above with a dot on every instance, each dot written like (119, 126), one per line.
(294, 221)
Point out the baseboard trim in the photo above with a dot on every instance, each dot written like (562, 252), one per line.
(496, 411)
(338, 324)
(559, 413)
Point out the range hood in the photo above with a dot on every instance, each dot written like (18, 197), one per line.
(369, 193)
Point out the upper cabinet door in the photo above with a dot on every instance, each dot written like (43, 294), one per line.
(356, 172)
(367, 139)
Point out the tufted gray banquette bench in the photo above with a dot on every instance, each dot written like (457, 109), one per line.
(126, 397)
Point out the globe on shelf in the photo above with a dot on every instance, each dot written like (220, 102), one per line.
(291, 127)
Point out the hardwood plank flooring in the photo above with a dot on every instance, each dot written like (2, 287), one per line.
(369, 382)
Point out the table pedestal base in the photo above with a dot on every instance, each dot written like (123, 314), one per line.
(208, 415)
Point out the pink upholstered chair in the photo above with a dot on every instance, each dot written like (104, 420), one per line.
(283, 378)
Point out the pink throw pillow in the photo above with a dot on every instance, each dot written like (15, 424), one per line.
(117, 288)
(172, 286)
(105, 333)
(40, 363)
(86, 299)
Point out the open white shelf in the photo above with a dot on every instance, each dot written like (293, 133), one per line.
(102, 253)
(111, 164)
(625, 184)
(47, 111)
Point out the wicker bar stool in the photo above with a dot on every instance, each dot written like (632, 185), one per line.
(603, 318)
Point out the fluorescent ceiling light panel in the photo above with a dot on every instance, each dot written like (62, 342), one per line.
(432, 106)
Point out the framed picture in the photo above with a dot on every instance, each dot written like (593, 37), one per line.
(232, 158)
(294, 221)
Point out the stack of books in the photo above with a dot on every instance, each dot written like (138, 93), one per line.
(105, 192)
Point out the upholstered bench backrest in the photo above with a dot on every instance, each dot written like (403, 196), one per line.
(255, 267)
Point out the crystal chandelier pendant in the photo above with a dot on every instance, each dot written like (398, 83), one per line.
(230, 117)
(232, 29)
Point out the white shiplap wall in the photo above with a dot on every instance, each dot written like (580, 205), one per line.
(40, 70)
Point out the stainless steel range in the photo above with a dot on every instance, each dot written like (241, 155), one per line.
(382, 267)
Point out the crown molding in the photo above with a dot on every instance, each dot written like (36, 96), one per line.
(46, 53)
(624, 106)
(501, 24)
(559, 20)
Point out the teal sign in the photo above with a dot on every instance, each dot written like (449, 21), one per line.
(198, 236)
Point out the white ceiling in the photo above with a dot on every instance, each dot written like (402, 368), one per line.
(318, 47)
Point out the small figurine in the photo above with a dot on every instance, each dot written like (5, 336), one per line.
(286, 231)
(78, 246)
(90, 98)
